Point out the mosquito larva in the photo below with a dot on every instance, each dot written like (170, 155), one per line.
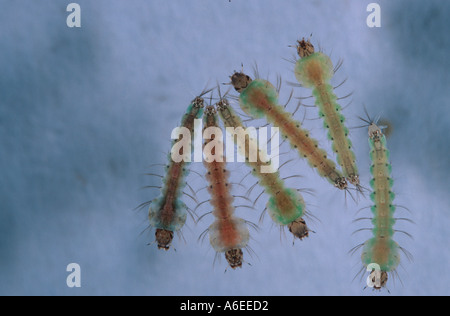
(314, 70)
(285, 206)
(259, 98)
(167, 213)
(228, 233)
(381, 249)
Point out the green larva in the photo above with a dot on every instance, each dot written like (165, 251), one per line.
(314, 70)
(381, 249)
(227, 234)
(167, 213)
(259, 98)
(285, 206)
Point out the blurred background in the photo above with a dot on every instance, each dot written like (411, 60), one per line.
(85, 111)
